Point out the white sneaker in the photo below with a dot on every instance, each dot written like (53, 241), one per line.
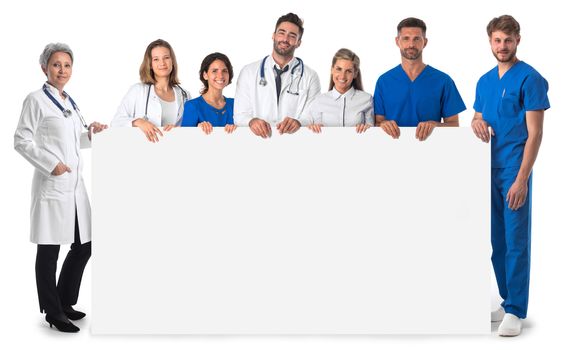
(510, 327)
(497, 315)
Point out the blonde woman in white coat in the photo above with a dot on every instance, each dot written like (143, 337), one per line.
(158, 100)
(49, 135)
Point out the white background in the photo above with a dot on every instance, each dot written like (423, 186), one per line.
(109, 38)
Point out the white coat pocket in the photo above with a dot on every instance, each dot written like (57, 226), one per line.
(55, 130)
(56, 187)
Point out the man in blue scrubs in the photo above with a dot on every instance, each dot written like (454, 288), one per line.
(413, 93)
(509, 111)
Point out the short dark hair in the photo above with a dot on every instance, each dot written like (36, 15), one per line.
(412, 22)
(208, 60)
(291, 18)
(506, 24)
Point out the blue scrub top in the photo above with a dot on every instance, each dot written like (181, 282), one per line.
(431, 96)
(198, 110)
(504, 103)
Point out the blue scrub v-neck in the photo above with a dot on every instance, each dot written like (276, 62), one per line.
(431, 96)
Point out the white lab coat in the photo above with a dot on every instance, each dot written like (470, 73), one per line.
(253, 100)
(134, 103)
(45, 137)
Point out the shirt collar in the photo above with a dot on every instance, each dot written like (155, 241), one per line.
(51, 88)
(336, 95)
(55, 92)
(291, 63)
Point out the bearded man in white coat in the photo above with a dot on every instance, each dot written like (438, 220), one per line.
(277, 89)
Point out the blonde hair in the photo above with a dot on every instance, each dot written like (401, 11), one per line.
(346, 54)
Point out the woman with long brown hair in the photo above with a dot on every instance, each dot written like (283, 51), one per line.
(158, 100)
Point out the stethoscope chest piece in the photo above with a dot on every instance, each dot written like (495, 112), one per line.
(263, 81)
(66, 112)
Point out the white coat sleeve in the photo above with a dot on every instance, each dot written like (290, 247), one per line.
(244, 98)
(181, 93)
(315, 88)
(24, 143)
(310, 114)
(127, 109)
(84, 141)
(369, 112)
(312, 93)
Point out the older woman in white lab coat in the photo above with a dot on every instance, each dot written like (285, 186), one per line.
(49, 135)
(158, 100)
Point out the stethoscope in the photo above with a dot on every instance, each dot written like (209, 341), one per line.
(66, 112)
(263, 81)
(184, 99)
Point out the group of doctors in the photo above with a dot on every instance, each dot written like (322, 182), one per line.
(280, 91)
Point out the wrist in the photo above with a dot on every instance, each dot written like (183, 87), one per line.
(523, 174)
(252, 121)
(522, 177)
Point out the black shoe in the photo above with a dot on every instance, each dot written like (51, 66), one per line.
(73, 314)
(62, 326)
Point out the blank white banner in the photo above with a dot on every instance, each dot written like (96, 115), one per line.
(335, 233)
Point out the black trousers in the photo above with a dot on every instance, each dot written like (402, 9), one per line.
(53, 297)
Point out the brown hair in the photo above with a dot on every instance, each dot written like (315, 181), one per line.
(506, 24)
(412, 22)
(346, 54)
(145, 71)
(291, 18)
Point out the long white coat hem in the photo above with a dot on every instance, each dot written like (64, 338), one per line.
(45, 137)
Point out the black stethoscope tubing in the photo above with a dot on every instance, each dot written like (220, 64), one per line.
(263, 81)
(66, 112)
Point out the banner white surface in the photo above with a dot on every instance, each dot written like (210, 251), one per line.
(336, 233)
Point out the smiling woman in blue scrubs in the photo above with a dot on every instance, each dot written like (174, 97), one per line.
(510, 99)
(212, 108)
(413, 93)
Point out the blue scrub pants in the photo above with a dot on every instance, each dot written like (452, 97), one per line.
(510, 239)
